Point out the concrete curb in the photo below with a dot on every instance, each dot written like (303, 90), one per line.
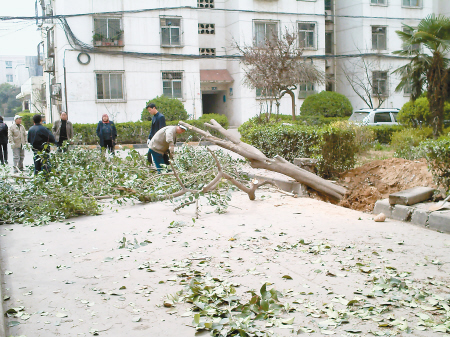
(2, 311)
(417, 214)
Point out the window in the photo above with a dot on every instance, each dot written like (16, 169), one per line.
(412, 3)
(206, 28)
(107, 29)
(305, 90)
(172, 84)
(110, 86)
(306, 35)
(380, 83)
(329, 43)
(264, 93)
(378, 38)
(264, 31)
(328, 5)
(382, 117)
(378, 2)
(207, 51)
(205, 3)
(8, 64)
(9, 78)
(170, 32)
(414, 47)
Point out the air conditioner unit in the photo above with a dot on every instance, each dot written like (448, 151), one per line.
(49, 65)
(56, 90)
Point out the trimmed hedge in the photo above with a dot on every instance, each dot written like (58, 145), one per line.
(326, 104)
(437, 153)
(333, 146)
(414, 114)
(137, 132)
(383, 133)
(27, 118)
(172, 109)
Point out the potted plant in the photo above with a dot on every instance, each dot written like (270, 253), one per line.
(117, 40)
(98, 38)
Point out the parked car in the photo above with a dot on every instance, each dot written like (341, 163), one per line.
(375, 116)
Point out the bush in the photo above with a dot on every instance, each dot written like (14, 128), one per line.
(27, 118)
(326, 104)
(404, 142)
(171, 108)
(437, 153)
(383, 133)
(415, 114)
(332, 145)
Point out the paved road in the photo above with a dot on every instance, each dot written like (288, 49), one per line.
(73, 279)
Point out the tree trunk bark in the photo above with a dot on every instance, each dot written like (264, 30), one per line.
(259, 160)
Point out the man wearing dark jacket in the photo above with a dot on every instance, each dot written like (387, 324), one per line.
(158, 122)
(40, 138)
(3, 142)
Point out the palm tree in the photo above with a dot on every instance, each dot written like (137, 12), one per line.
(433, 32)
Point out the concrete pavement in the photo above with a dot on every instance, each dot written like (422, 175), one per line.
(74, 279)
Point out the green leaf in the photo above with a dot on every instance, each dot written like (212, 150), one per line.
(286, 277)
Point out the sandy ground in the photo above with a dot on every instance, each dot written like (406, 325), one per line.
(72, 279)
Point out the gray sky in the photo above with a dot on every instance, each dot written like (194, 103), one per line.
(18, 37)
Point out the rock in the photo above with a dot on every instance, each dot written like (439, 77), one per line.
(380, 217)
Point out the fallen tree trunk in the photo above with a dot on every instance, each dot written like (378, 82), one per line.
(259, 160)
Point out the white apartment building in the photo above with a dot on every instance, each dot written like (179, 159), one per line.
(113, 56)
(13, 70)
(129, 52)
(367, 29)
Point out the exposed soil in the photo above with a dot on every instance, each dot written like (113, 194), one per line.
(376, 180)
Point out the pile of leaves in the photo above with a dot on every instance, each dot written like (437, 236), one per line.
(80, 177)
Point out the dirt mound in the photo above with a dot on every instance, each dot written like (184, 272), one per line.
(376, 180)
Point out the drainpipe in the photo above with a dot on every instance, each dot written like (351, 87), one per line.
(65, 83)
(334, 45)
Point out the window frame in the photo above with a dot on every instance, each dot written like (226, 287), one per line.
(302, 94)
(331, 34)
(172, 81)
(112, 100)
(9, 76)
(378, 4)
(420, 5)
(109, 39)
(315, 35)
(169, 26)
(265, 23)
(376, 34)
(414, 47)
(376, 78)
(8, 64)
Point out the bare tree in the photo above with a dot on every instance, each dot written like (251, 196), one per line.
(38, 100)
(360, 74)
(277, 67)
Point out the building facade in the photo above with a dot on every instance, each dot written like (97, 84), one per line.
(113, 56)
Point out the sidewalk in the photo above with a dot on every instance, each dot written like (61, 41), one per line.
(72, 278)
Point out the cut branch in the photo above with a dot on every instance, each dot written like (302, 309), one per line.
(259, 160)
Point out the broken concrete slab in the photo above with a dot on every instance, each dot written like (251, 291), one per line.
(440, 221)
(307, 164)
(401, 212)
(411, 196)
(383, 206)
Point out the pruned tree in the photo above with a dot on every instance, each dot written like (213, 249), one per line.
(362, 78)
(258, 160)
(277, 66)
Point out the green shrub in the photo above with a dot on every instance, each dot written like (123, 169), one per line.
(404, 142)
(27, 118)
(333, 146)
(171, 108)
(383, 133)
(437, 153)
(326, 104)
(319, 120)
(221, 119)
(414, 114)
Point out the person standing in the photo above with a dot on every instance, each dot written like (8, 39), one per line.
(62, 130)
(17, 136)
(3, 142)
(40, 138)
(107, 133)
(163, 141)
(158, 122)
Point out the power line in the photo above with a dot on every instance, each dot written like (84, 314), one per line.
(6, 18)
